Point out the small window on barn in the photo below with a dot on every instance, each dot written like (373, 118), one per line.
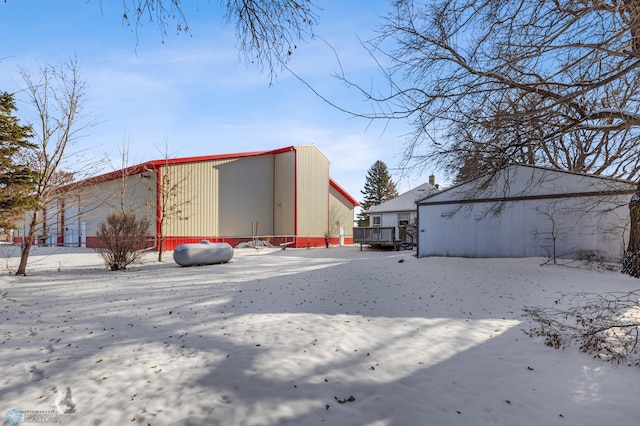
(376, 220)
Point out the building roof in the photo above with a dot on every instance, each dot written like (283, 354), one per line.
(522, 182)
(343, 192)
(405, 202)
(156, 164)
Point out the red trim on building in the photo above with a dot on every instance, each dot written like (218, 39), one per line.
(328, 214)
(344, 193)
(172, 241)
(156, 165)
(295, 195)
(197, 159)
(158, 206)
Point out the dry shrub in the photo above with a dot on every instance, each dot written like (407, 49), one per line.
(122, 239)
(606, 326)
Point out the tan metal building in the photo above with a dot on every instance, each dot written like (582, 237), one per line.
(283, 196)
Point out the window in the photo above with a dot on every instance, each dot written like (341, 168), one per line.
(403, 220)
(376, 220)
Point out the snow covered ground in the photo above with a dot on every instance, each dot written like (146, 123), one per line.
(301, 337)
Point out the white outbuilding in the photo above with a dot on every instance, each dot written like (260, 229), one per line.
(526, 211)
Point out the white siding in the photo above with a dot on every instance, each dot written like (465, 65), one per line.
(391, 220)
(564, 227)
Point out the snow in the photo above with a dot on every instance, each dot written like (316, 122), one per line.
(288, 337)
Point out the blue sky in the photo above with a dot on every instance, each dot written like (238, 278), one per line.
(196, 96)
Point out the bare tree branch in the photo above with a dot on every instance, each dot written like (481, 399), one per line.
(57, 94)
(268, 32)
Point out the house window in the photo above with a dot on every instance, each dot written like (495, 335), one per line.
(376, 220)
(403, 220)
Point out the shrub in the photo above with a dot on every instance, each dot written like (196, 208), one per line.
(606, 326)
(122, 239)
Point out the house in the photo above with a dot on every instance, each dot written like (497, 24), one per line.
(527, 211)
(285, 196)
(393, 220)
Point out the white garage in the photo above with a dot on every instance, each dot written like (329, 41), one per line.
(526, 211)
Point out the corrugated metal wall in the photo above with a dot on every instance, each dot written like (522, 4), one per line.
(528, 211)
(284, 199)
(232, 197)
(313, 192)
(98, 200)
(246, 186)
(221, 198)
(340, 214)
(527, 228)
(51, 225)
(190, 198)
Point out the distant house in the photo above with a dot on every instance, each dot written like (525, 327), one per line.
(398, 215)
(284, 195)
(528, 211)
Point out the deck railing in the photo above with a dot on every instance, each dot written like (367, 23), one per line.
(377, 236)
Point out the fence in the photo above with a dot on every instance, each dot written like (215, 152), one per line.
(50, 257)
(375, 236)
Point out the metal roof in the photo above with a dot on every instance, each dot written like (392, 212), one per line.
(404, 202)
(155, 164)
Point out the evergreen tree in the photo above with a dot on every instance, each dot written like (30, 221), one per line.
(378, 188)
(16, 178)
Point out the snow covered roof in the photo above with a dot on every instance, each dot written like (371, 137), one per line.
(520, 181)
(405, 202)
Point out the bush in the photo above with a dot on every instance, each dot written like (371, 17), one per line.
(122, 239)
(606, 326)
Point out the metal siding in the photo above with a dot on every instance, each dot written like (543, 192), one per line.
(313, 192)
(52, 222)
(196, 197)
(527, 228)
(246, 190)
(284, 197)
(222, 198)
(341, 214)
(71, 229)
(98, 200)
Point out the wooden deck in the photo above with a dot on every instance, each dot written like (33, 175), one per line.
(383, 237)
(376, 236)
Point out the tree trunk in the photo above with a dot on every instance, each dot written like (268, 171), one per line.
(160, 247)
(631, 262)
(26, 247)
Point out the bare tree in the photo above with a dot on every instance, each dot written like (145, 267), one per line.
(631, 262)
(476, 148)
(556, 80)
(553, 82)
(603, 325)
(267, 31)
(173, 198)
(57, 94)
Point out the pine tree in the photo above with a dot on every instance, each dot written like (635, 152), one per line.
(378, 188)
(16, 178)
